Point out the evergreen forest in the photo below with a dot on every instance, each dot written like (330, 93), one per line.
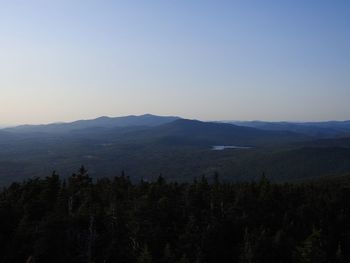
(79, 219)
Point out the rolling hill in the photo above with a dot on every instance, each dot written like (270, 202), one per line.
(146, 146)
(194, 132)
(147, 120)
(327, 129)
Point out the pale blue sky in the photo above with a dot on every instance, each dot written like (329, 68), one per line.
(211, 60)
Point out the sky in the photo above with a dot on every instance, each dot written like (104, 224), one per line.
(63, 60)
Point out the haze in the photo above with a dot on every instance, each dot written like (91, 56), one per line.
(242, 60)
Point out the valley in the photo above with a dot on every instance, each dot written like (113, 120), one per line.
(179, 149)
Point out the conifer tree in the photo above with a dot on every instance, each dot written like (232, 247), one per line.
(168, 256)
(311, 249)
(145, 256)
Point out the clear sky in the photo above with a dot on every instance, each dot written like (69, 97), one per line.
(270, 60)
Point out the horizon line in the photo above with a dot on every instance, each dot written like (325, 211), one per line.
(4, 126)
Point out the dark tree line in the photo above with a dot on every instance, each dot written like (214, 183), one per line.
(114, 220)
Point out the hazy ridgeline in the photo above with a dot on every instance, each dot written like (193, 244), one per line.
(179, 149)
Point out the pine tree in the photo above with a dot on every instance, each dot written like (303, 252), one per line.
(311, 250)
(183, 259)
(145, 256)
(247, 255)
(168, 256)
(339, 255)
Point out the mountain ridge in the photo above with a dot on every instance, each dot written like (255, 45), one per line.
(175, 147)
(148, 120)
(317, 129)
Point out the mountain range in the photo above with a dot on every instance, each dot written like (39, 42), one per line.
(317, 129)
(148, 120)
(179, 149)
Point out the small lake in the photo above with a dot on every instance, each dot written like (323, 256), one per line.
(223, 147)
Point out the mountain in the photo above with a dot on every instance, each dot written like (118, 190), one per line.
(287, 164)
(179, 149)
(211, 133)
(327, 129)
(4, 136)
(147, 120)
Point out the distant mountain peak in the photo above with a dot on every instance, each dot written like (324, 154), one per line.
(148, 115)
(147, 120)
(103, 118)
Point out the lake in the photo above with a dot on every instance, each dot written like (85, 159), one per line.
(223, 147)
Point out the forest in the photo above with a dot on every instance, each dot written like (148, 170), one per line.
(179, 149)
(80, 219)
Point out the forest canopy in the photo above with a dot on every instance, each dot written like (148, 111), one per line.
(115, 220)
